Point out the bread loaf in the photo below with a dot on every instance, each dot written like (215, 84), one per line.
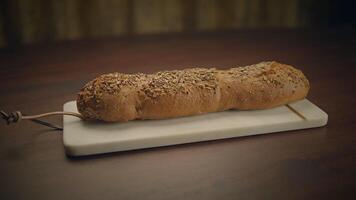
(118, 97)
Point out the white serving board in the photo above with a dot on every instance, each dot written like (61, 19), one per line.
(84, 138)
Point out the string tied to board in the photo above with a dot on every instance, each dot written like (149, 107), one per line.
(17, 116)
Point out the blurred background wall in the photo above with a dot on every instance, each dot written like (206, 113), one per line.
(40, 21)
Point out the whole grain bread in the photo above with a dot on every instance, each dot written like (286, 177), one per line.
(122, 97)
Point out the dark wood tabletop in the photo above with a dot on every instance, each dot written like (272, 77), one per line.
(317, 163)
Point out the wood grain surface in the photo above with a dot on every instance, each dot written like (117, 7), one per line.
(316, 163)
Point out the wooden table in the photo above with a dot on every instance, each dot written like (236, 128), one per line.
(307, 164)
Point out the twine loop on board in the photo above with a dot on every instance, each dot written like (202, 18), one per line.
(13, 117)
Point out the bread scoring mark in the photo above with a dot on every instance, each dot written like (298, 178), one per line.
(180, 81)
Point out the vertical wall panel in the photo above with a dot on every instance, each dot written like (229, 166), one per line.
(66, 19)
(206, 15)
(32, 21)
(147, 16)
(313, 13)
(189, 18)
(274, 13)
(254, 13)
(153, 16)
(2, 36)
(172, 13)
(36, 20)
(225, 14)
(103, 18)
(290, 13)
(240, 13)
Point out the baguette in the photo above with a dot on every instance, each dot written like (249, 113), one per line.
(117, 97)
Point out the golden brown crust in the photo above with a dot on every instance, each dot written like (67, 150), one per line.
(166, 94)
